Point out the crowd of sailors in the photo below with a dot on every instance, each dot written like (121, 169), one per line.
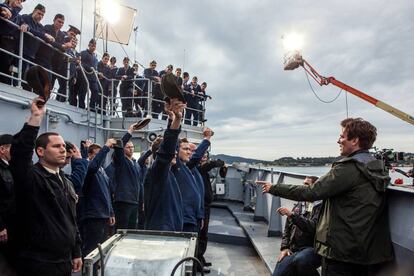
(56, 52)
(50, 218)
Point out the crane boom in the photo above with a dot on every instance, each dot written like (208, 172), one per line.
(296, 60)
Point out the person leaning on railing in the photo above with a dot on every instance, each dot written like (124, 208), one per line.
(140, 102)
(113, 86)
(192, 101)
(126, 89)
(47, 57)
(104, 74)
(74, 61)
(31, 23)
(9, 35)
(89, 63)
(157, 105)
(202, 100)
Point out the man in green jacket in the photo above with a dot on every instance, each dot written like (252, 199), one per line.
(352, 234)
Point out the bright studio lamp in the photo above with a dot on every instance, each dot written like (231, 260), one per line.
(110, 11)
(293, 44)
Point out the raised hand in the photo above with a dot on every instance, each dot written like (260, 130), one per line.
(208, 133)
(38, 110)
(75, 152)
(110, 142)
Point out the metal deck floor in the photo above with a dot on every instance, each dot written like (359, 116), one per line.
(255, 231)
(234, 260)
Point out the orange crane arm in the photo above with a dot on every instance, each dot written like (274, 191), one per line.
(321, 80)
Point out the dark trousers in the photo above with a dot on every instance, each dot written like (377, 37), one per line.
(126, 93)
(126, 215)
(77, 98)
(9, 44)
(158, 108)
(113, 92)
(95, 230)
(27, 267)
(188, 114)
(303, 262)
(337, 268)
(203, 235)
(189, 227)
(142, 102)
(62, 95)
(106, 94)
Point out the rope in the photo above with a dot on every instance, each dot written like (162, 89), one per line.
(316, 95)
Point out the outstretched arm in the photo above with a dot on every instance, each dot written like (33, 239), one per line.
(24, 143)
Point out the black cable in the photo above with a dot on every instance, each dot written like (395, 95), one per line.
(102, 261)
(316, 95)
(346, 102)
(187, 259)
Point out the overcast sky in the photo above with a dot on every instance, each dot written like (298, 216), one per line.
(258, 109)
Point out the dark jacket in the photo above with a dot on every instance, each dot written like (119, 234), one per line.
(5, 28)
(46, 226)
(300, 228)
(204, 170)
(46, 54)
(163, 201)
(97, 196)
(128, 82)
(30, 44)
(89, 60)
(7, 204)
(191, 95)
(353, 225)
(156, 88)
(126, 179)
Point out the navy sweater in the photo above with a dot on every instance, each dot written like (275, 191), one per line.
(79, 169)
(143, 172)
(192, 165)
(163, 202)
(126, 179)
(190, 190)
(97, 197)
(30, 44)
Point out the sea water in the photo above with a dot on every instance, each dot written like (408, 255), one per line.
(319, 171)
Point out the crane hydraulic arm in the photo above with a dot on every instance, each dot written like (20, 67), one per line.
(294, 61)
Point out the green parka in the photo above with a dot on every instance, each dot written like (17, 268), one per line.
(353, 224)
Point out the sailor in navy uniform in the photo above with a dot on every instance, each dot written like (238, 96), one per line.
(47, 57)
(9, 35)
(126, 90)
(89, 63)
(31, 23)
(61, 65)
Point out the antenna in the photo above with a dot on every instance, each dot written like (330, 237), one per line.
(81, 26)
(135, 47)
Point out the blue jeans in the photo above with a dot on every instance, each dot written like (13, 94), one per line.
(303, 262)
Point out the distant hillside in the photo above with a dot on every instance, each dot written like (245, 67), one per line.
(231, 159)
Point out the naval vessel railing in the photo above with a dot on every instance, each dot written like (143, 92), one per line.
(110, 105)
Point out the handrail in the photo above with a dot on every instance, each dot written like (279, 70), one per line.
(21, 58)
